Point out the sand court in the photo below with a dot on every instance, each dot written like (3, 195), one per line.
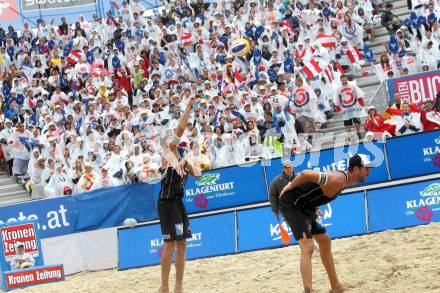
(399, 261)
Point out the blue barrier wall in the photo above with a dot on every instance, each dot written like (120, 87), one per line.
(89, 211)
(227, 187)
(336, 159)
(258, 228)
(211, 235)
(414, 155)
(404, 206)
(388, 208)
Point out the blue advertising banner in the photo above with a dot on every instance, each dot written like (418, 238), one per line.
(228, 187)
(211, 235)
(336, 159)
(415, 88)
(88, 211)
(258, 228)
(127, 201)
(345, 216)
(404, 206)
(414, 155)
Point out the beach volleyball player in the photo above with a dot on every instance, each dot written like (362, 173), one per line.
(172, 214)
(298, 203)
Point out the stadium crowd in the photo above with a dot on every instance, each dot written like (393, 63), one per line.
(86, 105)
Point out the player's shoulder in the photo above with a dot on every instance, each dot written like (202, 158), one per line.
(337, 176)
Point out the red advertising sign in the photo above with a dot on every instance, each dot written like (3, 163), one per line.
(416, 88)
(34, 276)
(24, 233)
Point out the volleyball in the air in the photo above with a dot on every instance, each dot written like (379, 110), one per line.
(240, 47)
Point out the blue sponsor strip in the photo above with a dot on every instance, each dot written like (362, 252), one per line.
(211, 235)
(88, 211)
(128, 201)
(345, 216)
(336, 159)
(228, 187)
(404, 206)
(259, 228)
(414, 155)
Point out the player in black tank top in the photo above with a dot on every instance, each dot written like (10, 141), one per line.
(309, 195)
(174, 221)
(299, 202)
(172, 185)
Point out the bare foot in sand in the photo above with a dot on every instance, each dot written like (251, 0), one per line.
(163, 290)
(338, 289)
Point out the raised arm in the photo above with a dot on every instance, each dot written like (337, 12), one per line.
(178, 132)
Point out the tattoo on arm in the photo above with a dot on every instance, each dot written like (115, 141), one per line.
(322, 179)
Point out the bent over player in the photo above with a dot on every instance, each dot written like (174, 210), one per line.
(172, 214)
(299, 201)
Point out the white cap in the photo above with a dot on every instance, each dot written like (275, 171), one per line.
(371, 108)
(360, 160)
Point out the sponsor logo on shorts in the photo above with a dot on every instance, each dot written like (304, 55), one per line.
(428, 202)
(166, 236)
(309, 226)
(179, 229)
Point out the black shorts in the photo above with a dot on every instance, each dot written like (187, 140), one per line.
(301, 221)
(174, 221)
(352, 121)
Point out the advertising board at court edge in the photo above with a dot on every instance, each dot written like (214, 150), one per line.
(429, 197)
(432, 152)
(156, 244)
(210, 186)
(34, 276)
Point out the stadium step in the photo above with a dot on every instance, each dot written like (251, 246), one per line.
(17, 198)
(10, 187)
(11, 191)
(369, 83)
